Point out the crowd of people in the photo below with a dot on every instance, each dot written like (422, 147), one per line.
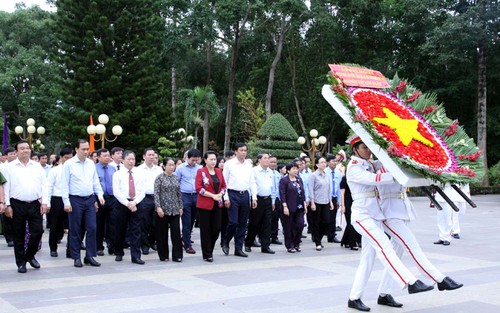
(106, 201)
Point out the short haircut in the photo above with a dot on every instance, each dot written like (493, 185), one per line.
(127, 152)
(330, 157)
(356, 145)
(116, 149)
(148, 149)
(228, 154)
(79, 142)
(21, 142)
(8, 150)
(290, 165)
(165, 160)
(100, 151)
(273, 156)
(261, 154)
(41, 154)
(239, 145)
(65, 151)
(280, 166)
(305, 157)
(193, 153)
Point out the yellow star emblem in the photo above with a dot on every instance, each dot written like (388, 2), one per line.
(405, 129)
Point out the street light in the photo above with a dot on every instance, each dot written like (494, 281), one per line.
(317, 144)
(100, 130)
(31, 130)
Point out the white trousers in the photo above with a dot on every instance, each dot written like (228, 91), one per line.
(403, 239)
(376, 244)
(448, 220)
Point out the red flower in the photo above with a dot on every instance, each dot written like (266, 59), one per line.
(400, 87)
(452, 128)
(394, 151)
(470, 157)
(414, 96)
(465, 172)
(427, 110)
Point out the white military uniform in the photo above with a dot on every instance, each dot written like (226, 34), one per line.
(367, 219)
(448, 219)
(398, 212)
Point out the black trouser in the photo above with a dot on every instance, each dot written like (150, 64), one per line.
(148, 221)
(259, 222)
(275, 217)
(321, 222)
(26, 212)
(58, 215)
(125, 218)
(7, 230)
(210, 225)
(106, 225)
(333, 219)
(162, 226)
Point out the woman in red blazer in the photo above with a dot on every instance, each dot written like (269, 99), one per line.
(210, 186)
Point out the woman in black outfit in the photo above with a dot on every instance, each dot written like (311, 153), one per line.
(351, 238)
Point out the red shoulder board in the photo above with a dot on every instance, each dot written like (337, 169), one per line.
(354, 162)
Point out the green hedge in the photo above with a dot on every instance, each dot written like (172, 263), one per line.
(277, 127)
(277, 144)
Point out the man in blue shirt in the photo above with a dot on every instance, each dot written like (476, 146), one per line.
(105, 214)
(335, 178)
(187, 174)
(80, 188)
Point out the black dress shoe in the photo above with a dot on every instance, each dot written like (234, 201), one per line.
(118, 258)
(248, 249)
(10, 243)
(456, 236)
(22, 268)
(78, 263)
(276, 241)
(448, 284)
(256, 244)
(442, 242)
(91, 261)
(100, 252)
(297, 249)
(418, 286)
(210, 260)
(138, 261)
(358, 305)
(53, 254)
(389, 301)
(145, 250)
(178, 260)
(338, 228)
(446, 243)
(225, 248)
(240, 253)
(268, 251)
(34, 263)
(335, 240)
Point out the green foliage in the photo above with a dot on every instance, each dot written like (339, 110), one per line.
(277, 137)
(277, 127)
(252, 114)
(494, 173)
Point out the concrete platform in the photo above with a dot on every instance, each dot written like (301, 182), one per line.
(309, 281)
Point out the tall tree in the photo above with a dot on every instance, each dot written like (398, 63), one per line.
(478, 23)
(111, 53)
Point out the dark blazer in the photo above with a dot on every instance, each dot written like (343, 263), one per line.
(288, 193)
(203, 182)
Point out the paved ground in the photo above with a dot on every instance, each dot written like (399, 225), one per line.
(307, 282)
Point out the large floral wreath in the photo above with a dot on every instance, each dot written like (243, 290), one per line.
(414, 130)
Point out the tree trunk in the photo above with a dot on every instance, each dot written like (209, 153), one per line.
(205, 132)
(209, 62)
(272, 71)
(230, 94)
(481, 107)
(174, 88)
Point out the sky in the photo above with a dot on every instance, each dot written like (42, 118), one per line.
(9, 5)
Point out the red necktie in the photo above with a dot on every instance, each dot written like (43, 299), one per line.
(131, 185)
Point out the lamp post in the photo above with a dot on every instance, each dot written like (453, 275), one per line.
(31, 131)
(100, 130)
(317, 144)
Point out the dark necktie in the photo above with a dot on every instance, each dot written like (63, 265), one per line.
(118, 166)
(131, 185)
(333, 183)
(105, 169)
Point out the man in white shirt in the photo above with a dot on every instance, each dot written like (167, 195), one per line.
(24, 204)
(128, 188)
(80, 188)
(259, 221)
(53, 197)
(149, 171)
(117, 156)
(240, 181)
